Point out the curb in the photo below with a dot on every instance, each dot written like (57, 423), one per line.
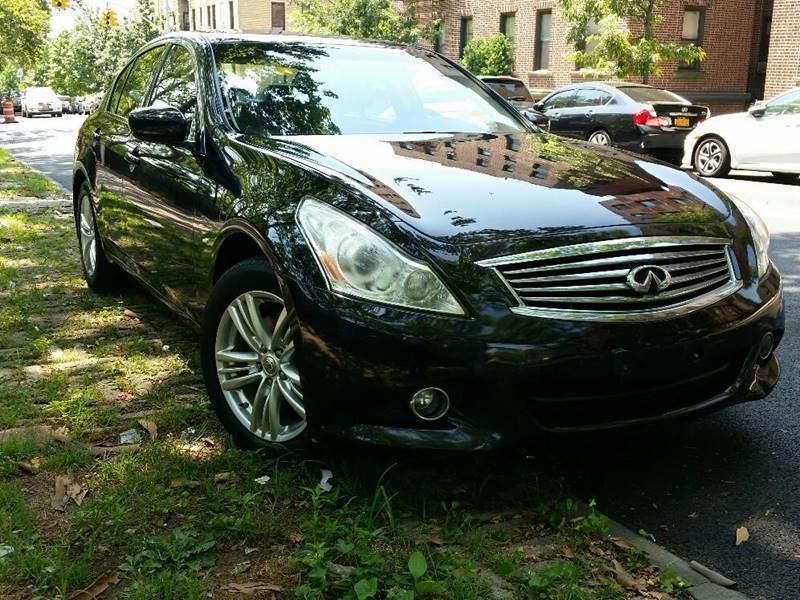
(699, 588)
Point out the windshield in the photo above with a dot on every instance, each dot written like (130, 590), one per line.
(510, 89)
(648, 94)
(292, 88)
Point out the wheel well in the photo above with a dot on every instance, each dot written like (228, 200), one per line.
(595, 130)
(236, 248)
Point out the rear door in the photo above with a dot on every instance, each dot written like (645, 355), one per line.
(171, 194)
(554, 107)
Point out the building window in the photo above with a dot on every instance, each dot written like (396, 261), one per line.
(200, 11)
(692, 33)
(541, 59)
(278, 16)
(194, 21)
(438, 39)
(230, 14)
(208, 16)
(466, 34)
(185, 21)
(214, 16)
(508, 25)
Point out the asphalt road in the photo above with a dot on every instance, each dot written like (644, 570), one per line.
(689, 484)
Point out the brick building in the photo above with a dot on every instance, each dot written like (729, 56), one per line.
(783, 67)
(247, 16)
(732, 32)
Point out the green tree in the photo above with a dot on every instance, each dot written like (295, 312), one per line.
(492, 56)
(625, 42)
(366, 19)
(24, 25)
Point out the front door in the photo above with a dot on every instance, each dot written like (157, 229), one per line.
(170, 191)
(772, 142)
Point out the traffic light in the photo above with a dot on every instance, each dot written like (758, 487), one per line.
(108, 17)
(62, 4)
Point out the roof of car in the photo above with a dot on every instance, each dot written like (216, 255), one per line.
(499, 78)
(284, 38)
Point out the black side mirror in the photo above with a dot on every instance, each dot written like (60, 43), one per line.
(539, 106)
(164, 125)
(758, 109)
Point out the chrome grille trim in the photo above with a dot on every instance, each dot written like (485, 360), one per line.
(577, 283)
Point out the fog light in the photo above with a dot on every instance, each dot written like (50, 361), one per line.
(766, 346)
(430, 404)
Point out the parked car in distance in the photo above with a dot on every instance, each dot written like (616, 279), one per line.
(391, 254)
(765, 138)
(628, 115)
(517, 93)
(16, 100)
(91, 102)
(41, 101)
(77, 105)
(66, 104)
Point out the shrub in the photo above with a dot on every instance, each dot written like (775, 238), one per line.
(492, 56)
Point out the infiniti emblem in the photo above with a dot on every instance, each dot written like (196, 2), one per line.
(685, 109)
(649, 279)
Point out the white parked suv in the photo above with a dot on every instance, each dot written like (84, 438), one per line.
(765, 138)
(41, 101)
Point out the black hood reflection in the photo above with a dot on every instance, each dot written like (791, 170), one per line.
(454, 187)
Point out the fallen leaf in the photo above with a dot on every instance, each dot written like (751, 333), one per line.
(75, 492)
(241, 567)
(624, 578)
(251, 587)
(692, 515)
(131, 436)
(32, 466)
(325, 482)
(742, 535)
(250, 550)
(567, 552)
(296, 537)
(620, 543)
(5, 550)
(436, 540)
(151, 427)
(94, 591)
(179, 483)
(225, 477)
(262, 480)
(103, 450)
(59, 501)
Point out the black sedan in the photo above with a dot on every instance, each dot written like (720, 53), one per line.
(515, 91)
(628, 115)
(391, 254)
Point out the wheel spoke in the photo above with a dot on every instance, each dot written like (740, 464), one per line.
(293, 398)
(277, 332)
(238, 382)
(259, 404)
(291, 373)
(237, 357)
(256, 322)
(240, 321)
(274, 410)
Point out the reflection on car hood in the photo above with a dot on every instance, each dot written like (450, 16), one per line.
(454, 187)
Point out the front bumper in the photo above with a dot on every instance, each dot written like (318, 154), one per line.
(521, 376)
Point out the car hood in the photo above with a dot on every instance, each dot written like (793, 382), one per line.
(457, 188)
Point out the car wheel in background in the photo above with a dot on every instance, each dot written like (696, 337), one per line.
(600, 137)
(248, 359)
(100, 274)
(785, 177)
(711, 157)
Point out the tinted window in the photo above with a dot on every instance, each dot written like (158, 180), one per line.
(136, 85)
(591, 97)
(648, 94)
(560, 100)
(303, 89)
(510, 89)
(112, 105)
(785, 105)
(176, 85)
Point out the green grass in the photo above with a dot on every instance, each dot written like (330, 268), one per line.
(21, 180)
(175, 517)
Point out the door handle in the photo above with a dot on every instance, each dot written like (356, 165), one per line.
(554, 114)
(589, 113)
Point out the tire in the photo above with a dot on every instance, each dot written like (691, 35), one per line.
(247, 347)
(601, 137)
(711, 157)
(100, 274)
(785, 177)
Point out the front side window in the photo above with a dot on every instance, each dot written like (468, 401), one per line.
(788, 104)
(120, 85)
(176, 85)
(303, 89)
(542, 53)
(591, 97)
(560, 100)
(137, 83)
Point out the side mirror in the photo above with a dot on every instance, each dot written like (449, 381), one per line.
(164, 125)
(758, 109)
(539, 106)
(538, 119)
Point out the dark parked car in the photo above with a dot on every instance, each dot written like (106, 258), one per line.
(517, 93)
(16, 100)
(390, 254)
(628, 115)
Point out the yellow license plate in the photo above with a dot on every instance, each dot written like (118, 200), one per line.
(682, 122)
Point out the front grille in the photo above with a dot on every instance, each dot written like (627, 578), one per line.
(595, 281)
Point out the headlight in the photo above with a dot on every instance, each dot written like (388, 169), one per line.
(357, 261)
(759, 233)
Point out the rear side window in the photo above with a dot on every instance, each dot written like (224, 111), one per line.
(592, 97)
(141, 72)
(510, 89)
(176, 85)
(648, 94)
(560, 100)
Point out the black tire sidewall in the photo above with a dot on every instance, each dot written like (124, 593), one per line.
(247, 276)
(105, 276)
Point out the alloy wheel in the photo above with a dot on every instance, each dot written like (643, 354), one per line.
(88, 239)
(600, 138)
(255, 361)
(710, 155)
